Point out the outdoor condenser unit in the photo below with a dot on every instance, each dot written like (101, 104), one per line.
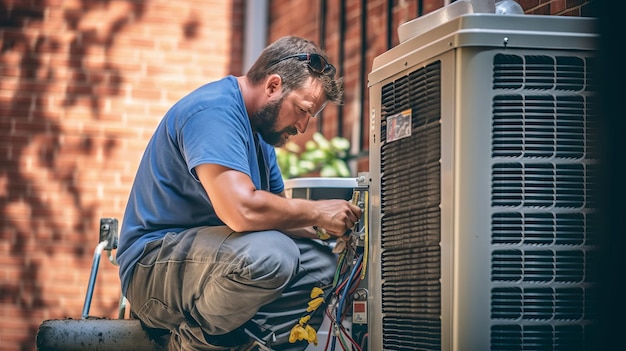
(482, 165)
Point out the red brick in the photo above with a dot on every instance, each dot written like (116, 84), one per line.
(557, 7)
(528, 4)
(575, 3)
(540, 10)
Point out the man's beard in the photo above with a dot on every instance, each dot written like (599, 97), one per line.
(264, 122)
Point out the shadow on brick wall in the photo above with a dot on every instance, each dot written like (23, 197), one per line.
(59, 136)
(45, 69)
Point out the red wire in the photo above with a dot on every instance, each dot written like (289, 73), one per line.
(344, 332)
(351, 288)
(365, 336)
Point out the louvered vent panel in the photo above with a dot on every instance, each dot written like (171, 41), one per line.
(538, 266)
(541, 72)
(410, 214)
(538, 337)
(541, 185)
(539, 126)
(543, 173)
(590, 83)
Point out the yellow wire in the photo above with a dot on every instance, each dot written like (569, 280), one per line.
(366, 234)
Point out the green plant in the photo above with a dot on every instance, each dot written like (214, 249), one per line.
(320, 155)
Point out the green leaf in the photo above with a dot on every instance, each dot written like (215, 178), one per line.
(322, 142)
(341, 167)
(340, 143)
(306, 165)
(310, 145)
(319, 154)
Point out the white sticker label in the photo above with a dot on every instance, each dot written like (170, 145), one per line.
(399, 125)
(359, 312)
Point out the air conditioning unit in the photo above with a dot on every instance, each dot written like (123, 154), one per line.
(482, 166)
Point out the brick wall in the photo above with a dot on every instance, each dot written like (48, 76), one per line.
(83, 83)
(556, 7)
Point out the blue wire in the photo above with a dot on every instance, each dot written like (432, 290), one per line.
(342, 299)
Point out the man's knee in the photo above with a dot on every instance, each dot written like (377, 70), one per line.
(326, 262)
(318, 261)
(272, 257)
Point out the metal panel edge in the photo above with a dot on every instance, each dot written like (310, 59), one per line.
(375, 314)
(481, 29)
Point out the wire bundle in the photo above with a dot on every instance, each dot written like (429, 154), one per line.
(351, 264)
(345, 283)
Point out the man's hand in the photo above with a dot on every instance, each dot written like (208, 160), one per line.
(337, 216)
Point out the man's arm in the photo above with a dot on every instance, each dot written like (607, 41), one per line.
(243, 208)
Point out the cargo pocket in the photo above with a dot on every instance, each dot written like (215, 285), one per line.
(155, 314)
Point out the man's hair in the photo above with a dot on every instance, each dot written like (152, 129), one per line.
(294, 72)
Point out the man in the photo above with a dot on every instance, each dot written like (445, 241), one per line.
(210, 249)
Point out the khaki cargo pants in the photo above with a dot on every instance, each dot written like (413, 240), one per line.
(210, 282)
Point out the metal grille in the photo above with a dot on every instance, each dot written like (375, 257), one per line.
(543, 173)
(539, 72)
(410, 214)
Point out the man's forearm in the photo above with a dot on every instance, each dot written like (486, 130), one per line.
(304, 232)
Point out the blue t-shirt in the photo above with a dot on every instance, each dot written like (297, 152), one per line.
(210, 125)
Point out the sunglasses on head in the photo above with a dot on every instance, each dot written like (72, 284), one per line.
(316, 63)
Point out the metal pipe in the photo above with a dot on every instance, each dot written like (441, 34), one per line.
(479, 6)
(363, 117)
(121, 314)
(255, 36)
(92, 277)
(340, 60)
(112, 258)
(484, 6)
(322, 44)
(97, 335)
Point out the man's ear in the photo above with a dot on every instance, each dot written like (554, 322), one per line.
(273, 85)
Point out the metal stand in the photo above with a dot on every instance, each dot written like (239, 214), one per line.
(108, 241)
(93, 333)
